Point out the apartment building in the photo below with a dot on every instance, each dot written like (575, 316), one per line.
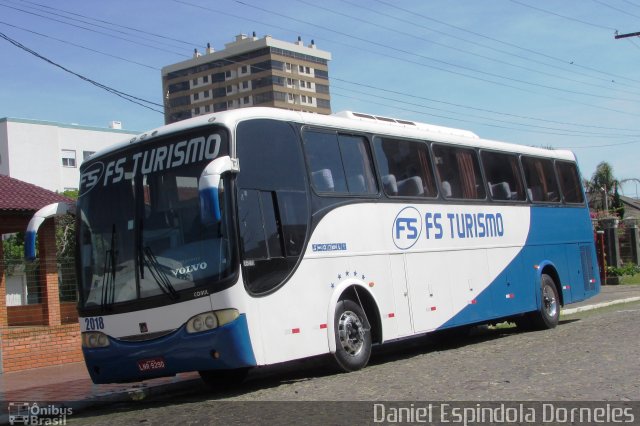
(49, 154)
(248, 72)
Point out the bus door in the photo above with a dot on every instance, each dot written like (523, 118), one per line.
(403, 321)
(511, 293)
(582, 274)
(429, 290)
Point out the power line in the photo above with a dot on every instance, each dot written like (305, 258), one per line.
(465, 68)
(615, 8)
(189, 43)
(533, 128)
(123, 95)
(90, 49)
(591, 24)
(379, 89)
(631, 3)
(510, 64)
(395, 6)
(91, 30)
(524, 117)
(287, 29)
(492, 48)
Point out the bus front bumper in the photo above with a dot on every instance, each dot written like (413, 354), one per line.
(223, 348)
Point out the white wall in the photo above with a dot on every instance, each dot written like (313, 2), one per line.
(34, 150)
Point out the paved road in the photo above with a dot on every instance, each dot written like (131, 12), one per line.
(591, 356)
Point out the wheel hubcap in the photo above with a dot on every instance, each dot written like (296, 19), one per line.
(550, 302)
(351, 333)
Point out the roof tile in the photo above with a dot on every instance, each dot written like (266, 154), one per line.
(17, 195)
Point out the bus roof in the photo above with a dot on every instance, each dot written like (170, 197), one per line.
(346, 120)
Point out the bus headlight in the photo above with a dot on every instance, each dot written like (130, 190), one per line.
(94, 339)
(210, 320)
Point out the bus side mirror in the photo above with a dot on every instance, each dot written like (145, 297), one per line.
(208, 187)
(51, 210)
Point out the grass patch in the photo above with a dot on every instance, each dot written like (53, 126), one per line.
(630, 279)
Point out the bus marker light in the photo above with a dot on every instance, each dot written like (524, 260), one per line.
(536, 266)
(323, 326)
(510, 296)
(566, 287)
(392, 315)
(433, 308)
(295, 330)
(474, 301)
(215, 354)
(371, 284)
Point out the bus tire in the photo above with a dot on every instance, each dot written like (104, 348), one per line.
(219, 379)
(549, 313)
(352, 334)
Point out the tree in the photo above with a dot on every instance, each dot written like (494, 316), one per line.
(603, 188)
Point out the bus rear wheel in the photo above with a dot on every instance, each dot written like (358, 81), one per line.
(352, 335)
(548, 315)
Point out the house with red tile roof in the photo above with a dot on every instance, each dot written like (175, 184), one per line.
(41, 330)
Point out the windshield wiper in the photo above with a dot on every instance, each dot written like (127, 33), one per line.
(109, 277)
(158, 275)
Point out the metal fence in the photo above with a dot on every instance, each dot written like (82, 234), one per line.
(26, 291)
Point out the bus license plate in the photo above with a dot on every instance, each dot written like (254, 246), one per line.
(150, 364)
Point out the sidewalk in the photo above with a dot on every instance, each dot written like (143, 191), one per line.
(71, 382)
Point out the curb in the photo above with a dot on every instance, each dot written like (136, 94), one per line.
(598, 305)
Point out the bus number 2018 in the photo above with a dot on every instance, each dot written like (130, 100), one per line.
(94, 323)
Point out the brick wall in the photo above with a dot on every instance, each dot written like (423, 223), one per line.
(32, 347)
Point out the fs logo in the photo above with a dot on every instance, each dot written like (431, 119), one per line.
(407, 228)
(90, 177)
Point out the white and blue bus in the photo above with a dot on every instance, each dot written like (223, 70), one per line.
(259, 236)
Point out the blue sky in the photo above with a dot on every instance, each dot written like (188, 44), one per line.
(541, 72)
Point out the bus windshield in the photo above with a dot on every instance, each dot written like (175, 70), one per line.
(139, 228)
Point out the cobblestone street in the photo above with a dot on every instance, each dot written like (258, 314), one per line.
(590, 356)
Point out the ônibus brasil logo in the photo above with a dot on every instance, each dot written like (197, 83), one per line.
(407, 228)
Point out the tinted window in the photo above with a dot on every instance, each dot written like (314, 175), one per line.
(541, 181)
(405, 167)
(502, 172)
(272, 202)
(569, 182)
(339, 163)
(458, 172)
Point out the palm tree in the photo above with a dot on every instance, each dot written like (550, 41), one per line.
(602, 187)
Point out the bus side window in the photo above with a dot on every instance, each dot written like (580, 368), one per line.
(569, 182)
(502, 172)
(325, 164)
(458, 172)
(339, 163)
(405, 167)
(273, 209)
(542, 186)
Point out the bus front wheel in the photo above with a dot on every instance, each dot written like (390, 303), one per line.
(353, 336)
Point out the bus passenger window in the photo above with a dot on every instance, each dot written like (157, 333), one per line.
(569, 182)
(502, 172)
(405, 167)
(458, 172)
(339, 163)
(542, 186)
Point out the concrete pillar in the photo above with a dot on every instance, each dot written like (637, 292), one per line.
(49, 271)
(633, 234)
(611, 242)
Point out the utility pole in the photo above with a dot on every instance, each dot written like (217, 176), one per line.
(627, 35)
